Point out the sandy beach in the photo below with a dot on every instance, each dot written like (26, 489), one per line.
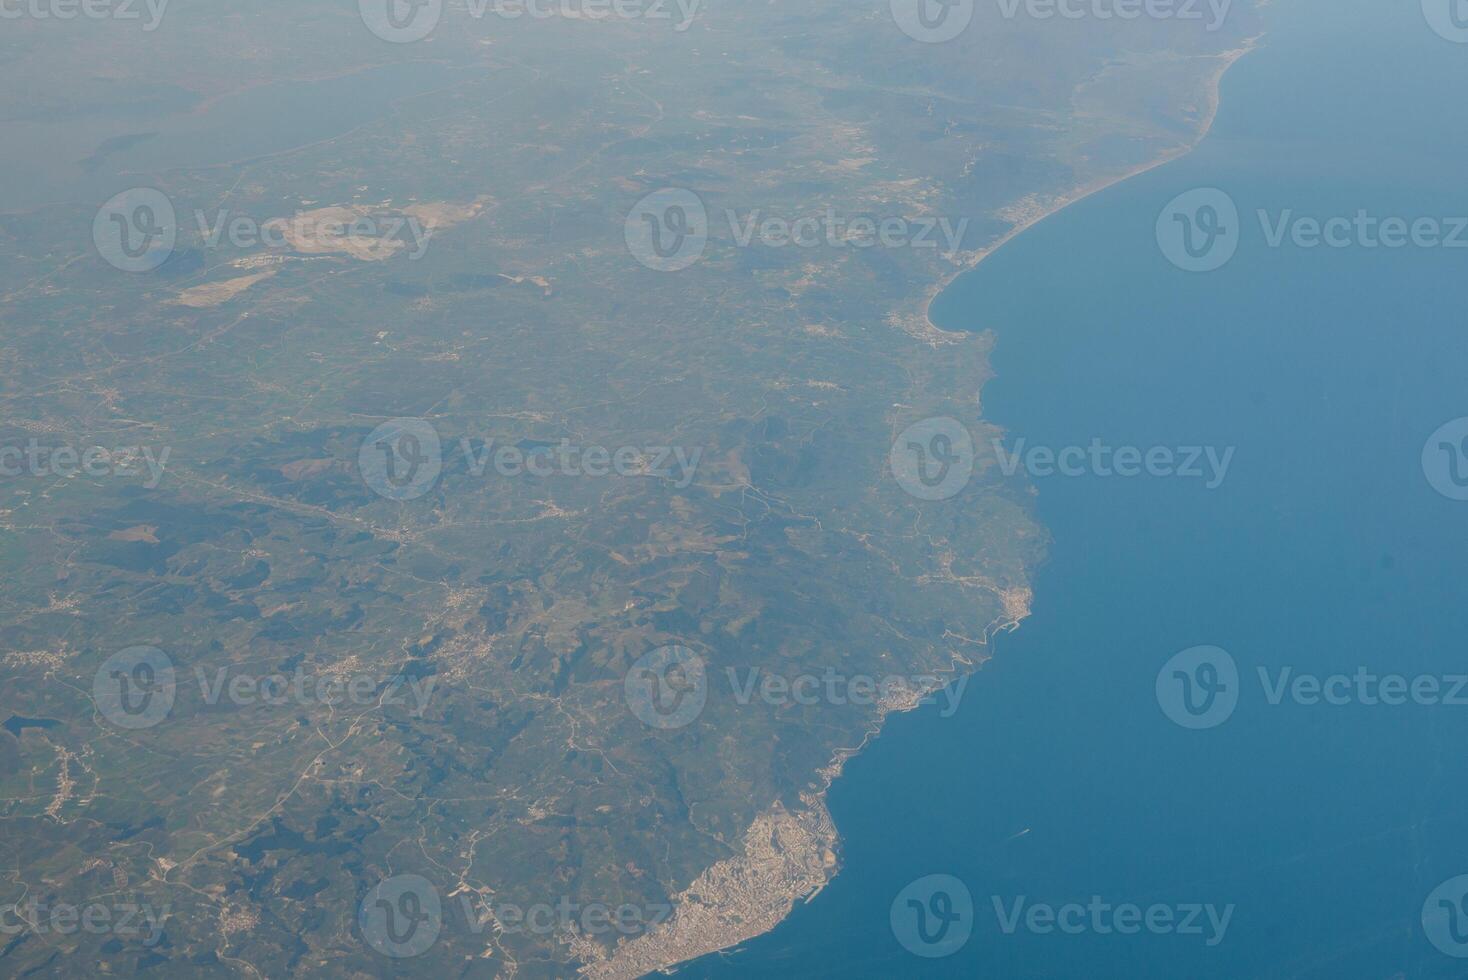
(1225, 60)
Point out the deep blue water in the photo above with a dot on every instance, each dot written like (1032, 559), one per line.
(1325, 550)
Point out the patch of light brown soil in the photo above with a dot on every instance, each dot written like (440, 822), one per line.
(326, 231)
(437, 215)
(146, 533)
(215, 293)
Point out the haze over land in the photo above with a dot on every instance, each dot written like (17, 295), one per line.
(445, 232)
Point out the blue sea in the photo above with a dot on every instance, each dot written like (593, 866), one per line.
(1320, 818)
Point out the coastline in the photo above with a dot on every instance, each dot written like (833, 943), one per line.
(1212, 92)
(809, 859)
(789, 857)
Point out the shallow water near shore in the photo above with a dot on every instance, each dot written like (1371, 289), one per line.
(1324, 550)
